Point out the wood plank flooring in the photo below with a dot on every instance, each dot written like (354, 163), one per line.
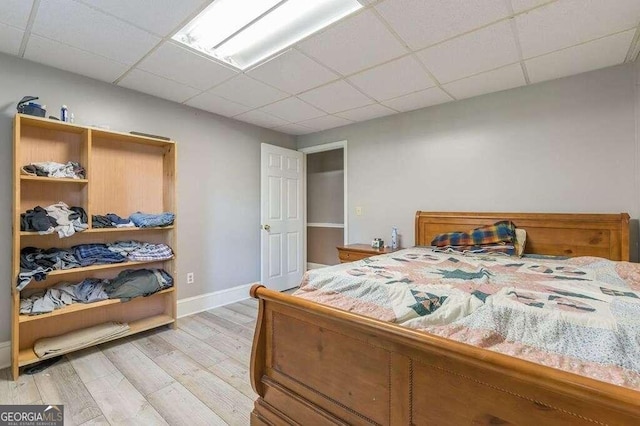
(197, 374)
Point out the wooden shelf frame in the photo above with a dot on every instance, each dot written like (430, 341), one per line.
(125, 173)
(103, 266)
(102, 230)
(45, 179)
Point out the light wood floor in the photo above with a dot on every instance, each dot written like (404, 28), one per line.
(195, 375)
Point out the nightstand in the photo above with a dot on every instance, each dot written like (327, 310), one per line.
(353, 252)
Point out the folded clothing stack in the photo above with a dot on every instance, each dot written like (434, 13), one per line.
(146, 220)
(89, 254)
(52, 346)
(56, 217)
(37, 263)
(127, 285)
(140, 220)
(132, 283)
(71, 170)
(87, 291)
(142, 252)
(110, 220)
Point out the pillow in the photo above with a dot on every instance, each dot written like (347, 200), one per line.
(521, 240)
(499, 232)
(499, 249)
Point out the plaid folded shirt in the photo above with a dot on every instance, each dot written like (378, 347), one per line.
(150, 252)
(88, 254)
(499, 232)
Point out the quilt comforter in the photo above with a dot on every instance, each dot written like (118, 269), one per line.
(580, 315)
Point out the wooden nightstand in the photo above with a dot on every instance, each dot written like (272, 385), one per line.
(353, 252)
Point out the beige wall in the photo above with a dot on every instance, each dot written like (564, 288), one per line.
(567, 145)
(218, 171)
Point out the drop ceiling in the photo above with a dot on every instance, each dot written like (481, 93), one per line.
(391, 56)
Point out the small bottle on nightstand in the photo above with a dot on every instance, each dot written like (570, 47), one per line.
(394, 238)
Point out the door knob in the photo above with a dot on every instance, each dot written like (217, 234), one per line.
(266, 227)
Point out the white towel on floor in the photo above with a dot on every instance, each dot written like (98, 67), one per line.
(80, 338)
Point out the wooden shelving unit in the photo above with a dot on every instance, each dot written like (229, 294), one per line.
(125, 174)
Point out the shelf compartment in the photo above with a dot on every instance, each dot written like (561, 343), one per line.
(34, 193)
(28, 356)
(46, 123)
(128, 137)
(77, 307)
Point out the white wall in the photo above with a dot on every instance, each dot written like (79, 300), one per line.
(218, 171)
(567, 145)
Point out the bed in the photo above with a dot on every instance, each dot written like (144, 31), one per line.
(314, 364)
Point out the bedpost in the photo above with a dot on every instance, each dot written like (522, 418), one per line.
(416, 236)
(624, 240)
(258, 350)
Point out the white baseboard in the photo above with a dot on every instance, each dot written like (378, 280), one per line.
(5, 354)
(311, 265)
(204, 302)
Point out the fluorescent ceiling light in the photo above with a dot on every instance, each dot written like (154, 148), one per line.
(244, 32)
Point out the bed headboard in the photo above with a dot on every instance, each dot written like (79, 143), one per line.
(560, 234)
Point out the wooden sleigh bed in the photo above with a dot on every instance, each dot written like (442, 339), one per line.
(313, 365)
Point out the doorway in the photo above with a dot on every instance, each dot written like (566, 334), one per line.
(325, 203)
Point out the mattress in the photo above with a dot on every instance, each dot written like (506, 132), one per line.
(580, 314)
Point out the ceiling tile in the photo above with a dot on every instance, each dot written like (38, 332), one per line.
(157, 86)
(294, 129)
(212, 103)
(261, 119)
(522, 5)
(422, 99)
(324, 123)
(567, 23)
(396, 78)
(292, 110)
(472, 53)
(58, 55)
(10, 39)
(368, 112)
(493, 81)
(590, 56)
(85, 28)
(185, 66)
(334, 97)
(354, 44)
(293, 72)
(15, 12)
(248, 91)
(422, 23)
(158, 16)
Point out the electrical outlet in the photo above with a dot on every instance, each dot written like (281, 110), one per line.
(190, 278)
(358, 211)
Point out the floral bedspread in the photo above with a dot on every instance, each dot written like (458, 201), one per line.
(580, 314)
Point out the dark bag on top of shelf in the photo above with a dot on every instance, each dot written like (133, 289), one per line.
(26, 106)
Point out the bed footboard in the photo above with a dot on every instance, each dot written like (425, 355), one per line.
(316, 365)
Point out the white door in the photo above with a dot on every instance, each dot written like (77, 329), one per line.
(281, 215)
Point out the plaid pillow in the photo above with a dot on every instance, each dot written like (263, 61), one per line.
(499, 232)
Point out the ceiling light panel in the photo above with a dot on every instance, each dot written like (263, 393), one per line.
(244, 32)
